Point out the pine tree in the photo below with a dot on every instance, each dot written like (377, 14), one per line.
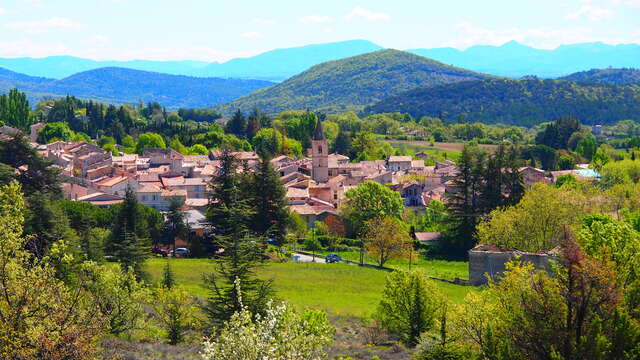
(233, 283)
(175, 224)
(168, 279)
(126, 247)
(271, 214)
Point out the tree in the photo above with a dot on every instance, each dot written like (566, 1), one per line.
(464, 203)
(233, 282)
(566, 162)
(269, 197)
(587, 147)
(174, 309)
(54, 131)
(342, 144)
(575, 314)
(149, 140)
(117, 295)
(557, 134)
(237, 125)
(14, 109)
(126, 246)
(268, 142)
(408, 306)
(168, 279)
(385, 239)
(281, 334)
(537, 222)
(367, 201)
(175, 224)
(40, 316)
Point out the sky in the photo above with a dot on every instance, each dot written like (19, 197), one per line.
(215, 30)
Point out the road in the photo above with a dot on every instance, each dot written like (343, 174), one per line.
(308, 258)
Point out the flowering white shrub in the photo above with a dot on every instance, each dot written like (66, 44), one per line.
(281, 334)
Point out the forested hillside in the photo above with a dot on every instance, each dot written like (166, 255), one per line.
(518, 102)
(606, 76)
(352, 83)
(126, 86)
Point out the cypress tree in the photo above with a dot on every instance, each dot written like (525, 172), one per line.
(237, 125)
(168, 279)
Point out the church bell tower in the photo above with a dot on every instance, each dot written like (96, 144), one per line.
(320, 155)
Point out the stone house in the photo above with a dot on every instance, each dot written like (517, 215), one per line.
(490, 261)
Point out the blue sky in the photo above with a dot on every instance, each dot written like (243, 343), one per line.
(214, 30)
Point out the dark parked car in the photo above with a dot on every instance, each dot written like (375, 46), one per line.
(160, 251)
(181, 252)
(332, 258)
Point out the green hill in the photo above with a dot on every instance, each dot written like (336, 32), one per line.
(352, 83)
(518, 102)
(606, 76)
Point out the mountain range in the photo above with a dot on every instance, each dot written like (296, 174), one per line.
(127, 86)
(352, 83)
(511, 59)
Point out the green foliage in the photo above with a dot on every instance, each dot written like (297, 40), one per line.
(566, 162)
(367, 201)
(557, 134)
(168, 278)
(40, 316)
(408, 306)
(606, 76)
(14, 110)
(567, 180)
(348, 83)
(537, 222)
(281, 334)
(587, 147)
(118, 296)
(149, 140)
(620, 172)
(55, 131)
(531, 102)
(271, 215)
(175, 309)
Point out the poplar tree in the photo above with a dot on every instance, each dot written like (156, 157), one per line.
(14, 109)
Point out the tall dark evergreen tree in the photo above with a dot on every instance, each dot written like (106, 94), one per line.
(233, 282)
(175, 224)
(237, 125)
(342, 144)
(270, 201)
(126, 247)
(464, 202)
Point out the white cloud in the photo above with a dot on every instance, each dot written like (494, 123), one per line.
(43, 26)
(2, 11)
(359, 12)
(327, 30)
(593, 13)
(261, 21)
(252, 35)
(36, 3)
(314, 19)
(465, 35)
(99, 40)
(632, 3)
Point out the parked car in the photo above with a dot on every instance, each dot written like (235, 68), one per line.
(181, 252)
(332, 258)
(160, 251)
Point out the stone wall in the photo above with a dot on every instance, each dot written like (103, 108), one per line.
(483, 262)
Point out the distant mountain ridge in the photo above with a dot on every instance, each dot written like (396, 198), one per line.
(127, 86)
(518, 102)
(352, 83)
(511, 59)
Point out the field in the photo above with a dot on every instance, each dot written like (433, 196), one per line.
(439, 151)
(339, 289)
(437, 268)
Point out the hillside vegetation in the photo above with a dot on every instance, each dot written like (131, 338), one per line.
(126, 86)
(606, 76)
(518, 102)
(352, 83)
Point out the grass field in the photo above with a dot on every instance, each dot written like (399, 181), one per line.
(440, 151)
(438, 268)
(339, 289)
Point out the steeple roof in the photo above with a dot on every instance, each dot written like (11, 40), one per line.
(319, 134)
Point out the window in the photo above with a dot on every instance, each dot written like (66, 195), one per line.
(144, 197)
(320, 149)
